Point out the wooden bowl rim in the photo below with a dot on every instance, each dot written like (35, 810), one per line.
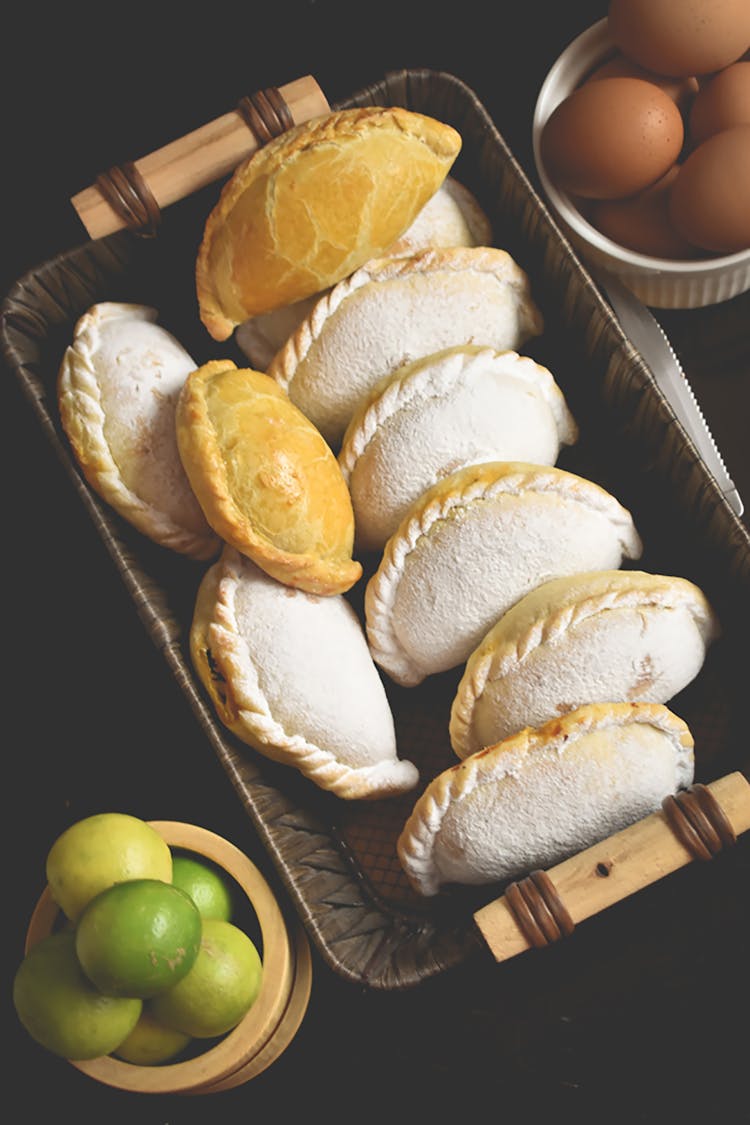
(235, 1052)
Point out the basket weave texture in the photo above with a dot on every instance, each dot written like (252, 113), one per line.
(337, 859)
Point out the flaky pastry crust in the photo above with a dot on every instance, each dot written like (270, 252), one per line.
(313, 205)
(265, 478)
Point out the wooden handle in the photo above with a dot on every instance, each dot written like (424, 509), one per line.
(609, 871)
(197, 159)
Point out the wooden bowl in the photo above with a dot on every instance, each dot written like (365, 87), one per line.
(272, 1021)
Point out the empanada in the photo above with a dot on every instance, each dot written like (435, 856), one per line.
(544, 794)
(265, 478)
(117, 391)
(612, 635)
(290, 674)
(314, 204)
(472, 546)
(451, 217)
(395, 310)
(459, 407)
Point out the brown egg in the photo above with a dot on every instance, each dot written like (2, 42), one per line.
(642, 223)
(680, 90)
(710, 199)
(723, 102)
(681, 37)
(611, 138)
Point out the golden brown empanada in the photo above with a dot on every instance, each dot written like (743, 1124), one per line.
(265, 478)
(314, 204)
(396, 310)
(117, 391)
(291, 675)
(542, 795)
(451, 217)
(612, 635)
(472, 546)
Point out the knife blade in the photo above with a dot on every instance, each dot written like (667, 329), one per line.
(650, 339)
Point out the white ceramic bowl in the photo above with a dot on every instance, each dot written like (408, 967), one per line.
(660, 283)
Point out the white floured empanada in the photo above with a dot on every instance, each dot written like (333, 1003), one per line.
(612, 635)
(117, 390)
(534, 799)
(394, 310)
(290, 674)
(472, 546)
(459, 407)
(452, 217)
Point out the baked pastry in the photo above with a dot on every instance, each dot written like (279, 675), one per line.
(611, 635)
(117, 390)
(472, 546)
(265, 478)
(541, 795)
(290, 674)
(313, 204)
(451, 217)
(395, 310)
(458, 407)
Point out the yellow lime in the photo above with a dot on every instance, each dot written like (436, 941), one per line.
(150, 1043)
(100, 850)
(61, 1009)
(138, 938)
(207, 888)
(219, 989)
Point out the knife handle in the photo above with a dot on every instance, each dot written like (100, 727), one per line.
(547, 905)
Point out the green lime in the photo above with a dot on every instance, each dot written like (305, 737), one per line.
(219, 989)
(207, 888)
(138, 938)
(150, 1043)
(101, 850)
(61, 1009)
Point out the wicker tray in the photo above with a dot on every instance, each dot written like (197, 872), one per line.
(337, 859)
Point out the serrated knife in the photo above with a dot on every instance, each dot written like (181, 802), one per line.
(650, 339)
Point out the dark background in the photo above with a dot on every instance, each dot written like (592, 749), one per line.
(94, 720)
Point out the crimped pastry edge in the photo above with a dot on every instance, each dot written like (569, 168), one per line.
(440, 373)
(306, 572)
(266, 161)
(215, 630)
(415, 845)
(629, 589)
(79, 404)
(478, 482)
(483, 259)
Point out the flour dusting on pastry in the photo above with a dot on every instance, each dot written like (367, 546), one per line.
(291, 675)
(543, 794)
(462, 406)
(395, 310)
(472, 546)
(606, 636)
(451, 217)
(117, 388)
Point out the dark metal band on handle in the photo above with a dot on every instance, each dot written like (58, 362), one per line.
(699, 822)
(266, 114)
(129, 195)
(538, 909)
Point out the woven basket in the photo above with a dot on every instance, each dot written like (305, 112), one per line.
(337, 859)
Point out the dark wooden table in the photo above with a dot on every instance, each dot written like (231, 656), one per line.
(657, 1035)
